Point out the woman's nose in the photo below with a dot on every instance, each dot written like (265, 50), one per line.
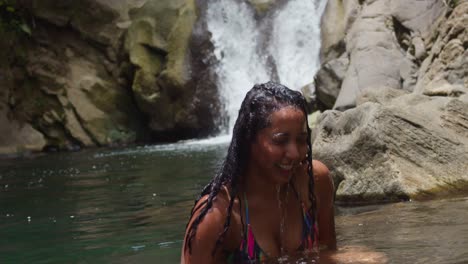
(293, 152)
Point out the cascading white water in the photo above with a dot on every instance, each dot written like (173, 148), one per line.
(295, 42)
(239, 48)
(235, 36)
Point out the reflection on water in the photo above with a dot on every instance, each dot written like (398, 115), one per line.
(131, 206)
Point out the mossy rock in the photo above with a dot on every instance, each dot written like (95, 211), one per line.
(146, 48)
(117, 125)
(164, 12)
(143, 32)
(146, 90)
(177, 72)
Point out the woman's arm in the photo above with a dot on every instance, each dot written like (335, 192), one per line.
(324, 192)
(208, 231)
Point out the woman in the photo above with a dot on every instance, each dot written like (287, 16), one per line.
(269, 200)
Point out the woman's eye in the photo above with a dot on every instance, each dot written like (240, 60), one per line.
(280, 140)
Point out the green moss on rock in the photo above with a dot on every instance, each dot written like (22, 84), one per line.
(177, 72)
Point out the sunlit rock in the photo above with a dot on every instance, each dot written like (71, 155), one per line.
(385, 42)
(396, 146)
(446, 66)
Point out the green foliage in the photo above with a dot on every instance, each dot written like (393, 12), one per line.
(11, 19)
(14, 33)
(453, 3)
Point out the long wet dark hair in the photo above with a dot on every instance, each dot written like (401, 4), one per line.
(254, 115)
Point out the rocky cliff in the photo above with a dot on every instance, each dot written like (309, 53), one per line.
(100, 73)
(400, 70)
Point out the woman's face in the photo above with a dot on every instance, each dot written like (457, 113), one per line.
(279, 148)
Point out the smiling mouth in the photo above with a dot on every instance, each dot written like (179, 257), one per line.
(285, 167)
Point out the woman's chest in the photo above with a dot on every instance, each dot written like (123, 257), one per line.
(275, 230)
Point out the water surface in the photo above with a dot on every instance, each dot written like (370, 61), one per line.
(131, 206)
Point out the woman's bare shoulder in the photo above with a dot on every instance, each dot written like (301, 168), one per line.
(322, 178)
(217, 212)
(208, 230)
(321, 171)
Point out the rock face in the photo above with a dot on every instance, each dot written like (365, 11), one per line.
(159, 42)
(383, 40)
(96, 73)
(406, 80)
(396, 146)
(445, 70)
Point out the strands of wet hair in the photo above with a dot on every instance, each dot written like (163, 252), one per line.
(254, 115)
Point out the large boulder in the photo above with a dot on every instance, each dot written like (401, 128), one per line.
(385, 42)
(396, 146)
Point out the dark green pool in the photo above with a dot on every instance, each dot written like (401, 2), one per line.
(131, 206)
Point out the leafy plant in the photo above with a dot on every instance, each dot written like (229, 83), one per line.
(11, 18)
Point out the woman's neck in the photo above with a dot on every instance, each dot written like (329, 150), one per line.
(257, 186)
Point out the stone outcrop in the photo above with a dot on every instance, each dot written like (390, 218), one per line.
(406, 82)
(16, 136)
(445, 69)
(100, 73)
(396, 146)
(159, 42)
(384, 41)
(69, 85)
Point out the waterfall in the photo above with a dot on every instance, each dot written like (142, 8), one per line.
(283, 46)
(295, 42)
(235, 36)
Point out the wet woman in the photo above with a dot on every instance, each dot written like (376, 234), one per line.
(270, 200)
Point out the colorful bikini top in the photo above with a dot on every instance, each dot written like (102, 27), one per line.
(250, 252)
